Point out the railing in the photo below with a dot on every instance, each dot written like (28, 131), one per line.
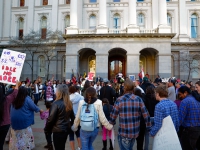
(87, 31)
(117, 31)
(149, 30)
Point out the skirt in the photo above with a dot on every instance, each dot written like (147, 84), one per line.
(21, 139)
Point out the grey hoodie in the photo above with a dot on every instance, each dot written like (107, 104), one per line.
(75, 98)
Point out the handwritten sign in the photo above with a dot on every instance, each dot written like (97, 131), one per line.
(90, 76)
(11, 64)
(166, 138)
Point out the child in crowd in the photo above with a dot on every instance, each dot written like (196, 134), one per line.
(44, 115)
(107, 108)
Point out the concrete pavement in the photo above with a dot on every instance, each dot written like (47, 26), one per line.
(40, 140)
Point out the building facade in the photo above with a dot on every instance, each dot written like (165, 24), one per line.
(106, 37)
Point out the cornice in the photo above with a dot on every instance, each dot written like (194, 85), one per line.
(122, 35)
(185, 44)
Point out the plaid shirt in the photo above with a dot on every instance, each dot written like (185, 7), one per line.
(163, 109)
(129, 108)
(189, 112)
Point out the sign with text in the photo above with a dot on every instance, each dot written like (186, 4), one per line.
(132, 77)
(11, 64)
(90, 76)
(166, 138)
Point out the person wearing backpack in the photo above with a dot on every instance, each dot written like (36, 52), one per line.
(89, 115)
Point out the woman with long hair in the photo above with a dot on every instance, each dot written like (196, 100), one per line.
(61, 116)
(88, 137)
(5, 103)
(86, 85)
(22, 117)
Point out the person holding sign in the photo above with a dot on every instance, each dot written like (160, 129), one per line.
(163, 109)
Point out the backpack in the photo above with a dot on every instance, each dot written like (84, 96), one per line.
(89, 117)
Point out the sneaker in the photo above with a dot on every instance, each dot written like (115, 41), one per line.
(78, 148)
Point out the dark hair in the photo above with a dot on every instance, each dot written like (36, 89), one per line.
(198, 83)
(184, 89)
(90, 94)
(129, 85)
(19, 100)
(105, 101)
(86, 85)
(2, 100)
(72, 89)
(77, 88)
(162, 91)
(138, 92)
(48, 105)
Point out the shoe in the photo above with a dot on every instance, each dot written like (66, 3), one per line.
(78, 148)
(46, 146)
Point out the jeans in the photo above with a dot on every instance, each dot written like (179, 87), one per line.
(59, 140)
(87, 138)
(36, 98)
(3, 132)
(189, 138)
(48, 137)
(125, 143)
(146, 144)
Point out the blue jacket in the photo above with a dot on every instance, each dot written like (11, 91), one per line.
(23, 117)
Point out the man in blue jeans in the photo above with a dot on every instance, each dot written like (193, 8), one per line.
(129, 108)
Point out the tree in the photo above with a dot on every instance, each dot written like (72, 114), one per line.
(30, 44)
(35, 42)
(189, 61)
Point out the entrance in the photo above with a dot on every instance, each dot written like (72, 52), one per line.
(116, 65)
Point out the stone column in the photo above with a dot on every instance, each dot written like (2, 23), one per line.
(102, 27)
(1, 18)
(183, 37)
(164, 65)
(73, 29)
(132, 27)
(72, 62)
(155, 20)
(133, 61)
(162, 7)
(54, 18)
(30, 17)
(7, 19)
(102, 65)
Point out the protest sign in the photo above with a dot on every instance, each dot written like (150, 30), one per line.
(166, 138)
(132, 77)
(11, 64)
(90, 76)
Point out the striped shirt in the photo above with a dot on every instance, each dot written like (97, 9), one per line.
(163, 109)
(189, 112)
(129, 108)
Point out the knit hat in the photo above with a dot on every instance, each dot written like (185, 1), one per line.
(145, 79)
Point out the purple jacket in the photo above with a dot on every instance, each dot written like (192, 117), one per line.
(9, 99)
(178, 103)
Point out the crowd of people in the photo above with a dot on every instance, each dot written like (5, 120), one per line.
(140, 105)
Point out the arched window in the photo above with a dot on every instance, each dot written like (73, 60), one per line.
(45, 2)
(43, 27)
(92, 22)
(41, 66)
(22, 2)
(194, 26)
(21, 28)
(92, 64)
(116, 21)
(169, 20)
(93, 1)
(67, 1)
(141, 20)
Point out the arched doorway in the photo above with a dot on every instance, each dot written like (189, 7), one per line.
(87, 61)
(148, 62)
(116, 62)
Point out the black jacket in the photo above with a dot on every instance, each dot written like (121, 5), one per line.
(59, 119)
(107, 92)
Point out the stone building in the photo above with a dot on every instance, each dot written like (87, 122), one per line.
(106, 37)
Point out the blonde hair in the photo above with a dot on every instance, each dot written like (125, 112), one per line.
(62, 92)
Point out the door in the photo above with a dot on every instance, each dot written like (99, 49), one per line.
(116, 65)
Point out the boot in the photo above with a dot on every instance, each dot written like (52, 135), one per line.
(111, 146)
(50, 147)
(104, 145)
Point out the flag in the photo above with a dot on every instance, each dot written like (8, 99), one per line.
(72, 75)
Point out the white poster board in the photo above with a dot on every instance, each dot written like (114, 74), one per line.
(11, 64)
(166, 138)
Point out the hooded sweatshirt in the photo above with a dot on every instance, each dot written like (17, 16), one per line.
(75, 98)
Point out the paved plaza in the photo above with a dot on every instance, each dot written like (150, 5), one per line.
(40, 140)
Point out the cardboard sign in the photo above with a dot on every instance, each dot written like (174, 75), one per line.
(132, 77)
(166, 138)
(90, 76)
(11, 64)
